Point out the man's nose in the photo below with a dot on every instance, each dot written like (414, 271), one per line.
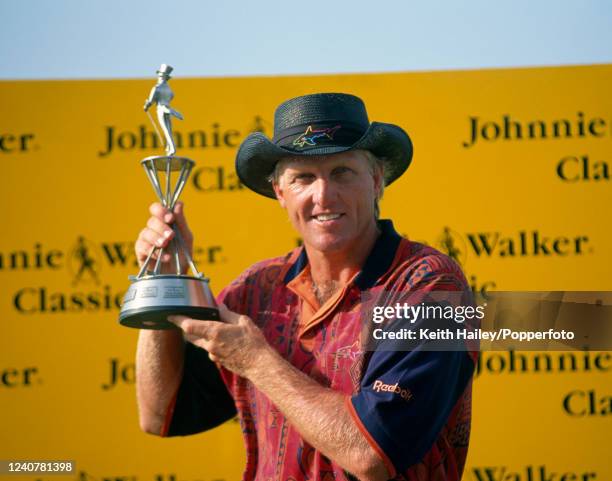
(324, 192)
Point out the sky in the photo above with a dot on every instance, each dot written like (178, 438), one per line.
(59, 39)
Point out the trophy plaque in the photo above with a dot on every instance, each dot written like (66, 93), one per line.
(154, 295)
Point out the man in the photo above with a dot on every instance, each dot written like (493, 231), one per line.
(290, 356)
(162, 96)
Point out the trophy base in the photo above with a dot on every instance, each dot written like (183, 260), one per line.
(151, 299)
(156, 318)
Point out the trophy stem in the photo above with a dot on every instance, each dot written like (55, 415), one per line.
(168, 197)
(143, 269)
(153, 178)
(192, 265)
(180, 184)
(157, 268)
(168, 178)
(177, 258)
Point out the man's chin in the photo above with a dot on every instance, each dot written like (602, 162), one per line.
(327, 243)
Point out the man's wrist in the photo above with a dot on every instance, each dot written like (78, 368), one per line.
(263, 364)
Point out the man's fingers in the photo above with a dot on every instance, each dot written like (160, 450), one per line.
(143, 248)
(160, 227)
(152, 237)
(193, 327)
(181, 221)
(157, 233)
(159, 211)
(188, 325)
(179, 212)
(196, 340)
(178, 319)
(228, 316)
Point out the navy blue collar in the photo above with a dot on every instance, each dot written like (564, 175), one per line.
(376, 265)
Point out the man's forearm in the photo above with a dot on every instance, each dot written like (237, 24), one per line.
(319, 414)
(159, 366)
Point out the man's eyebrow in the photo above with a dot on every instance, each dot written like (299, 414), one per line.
(298, 175)
(291, 175)
(299, 169)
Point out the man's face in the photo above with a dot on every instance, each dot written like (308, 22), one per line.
(329, 199)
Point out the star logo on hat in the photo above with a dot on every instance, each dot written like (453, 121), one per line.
(310, 136)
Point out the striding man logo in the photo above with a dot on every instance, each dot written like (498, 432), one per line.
(83, 262)
(259, 124)
(453, 245)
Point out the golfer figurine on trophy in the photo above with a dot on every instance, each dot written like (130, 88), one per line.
(153, 295)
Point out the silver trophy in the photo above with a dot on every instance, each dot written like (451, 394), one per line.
(154, 296)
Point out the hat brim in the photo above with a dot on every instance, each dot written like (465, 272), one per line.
(257, 155)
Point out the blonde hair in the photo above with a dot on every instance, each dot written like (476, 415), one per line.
(376, 164)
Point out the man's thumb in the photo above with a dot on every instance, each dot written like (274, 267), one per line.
(228, 316)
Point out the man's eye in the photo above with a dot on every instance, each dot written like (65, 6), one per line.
(340, 171)
(303, 178)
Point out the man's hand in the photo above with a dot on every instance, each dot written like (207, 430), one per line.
(317, 412)
(236, 342)
(158, 232)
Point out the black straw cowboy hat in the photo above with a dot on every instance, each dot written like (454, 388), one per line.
(321, 124)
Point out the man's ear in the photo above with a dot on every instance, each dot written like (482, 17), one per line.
(279, 194)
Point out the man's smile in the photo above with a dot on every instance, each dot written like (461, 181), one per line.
(327, 218)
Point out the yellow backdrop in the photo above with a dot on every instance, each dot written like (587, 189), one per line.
(511, 168)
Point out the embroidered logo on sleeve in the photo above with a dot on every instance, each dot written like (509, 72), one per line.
(380, 386)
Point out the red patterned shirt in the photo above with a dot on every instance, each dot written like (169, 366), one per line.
(413, 406)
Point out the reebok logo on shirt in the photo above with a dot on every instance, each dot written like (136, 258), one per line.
(394, 388)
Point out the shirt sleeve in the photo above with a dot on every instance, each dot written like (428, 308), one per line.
(202, 401)
(406, 397)
(205, 395)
